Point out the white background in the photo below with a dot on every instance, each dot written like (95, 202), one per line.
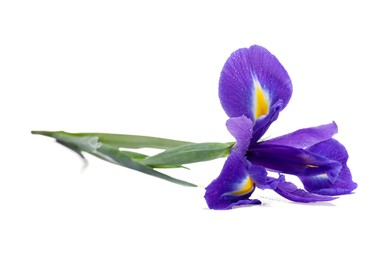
(153, 69)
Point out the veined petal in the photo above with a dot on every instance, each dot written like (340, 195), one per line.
(343, 184)
(305, 137)
(252, 80)
(293, 193)
(233, 187)
(241, 129)
(285, 159)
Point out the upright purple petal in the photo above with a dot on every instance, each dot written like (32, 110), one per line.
(343, 184)
(272, 76)
(306, 137)
(252, 81)
(285, 159)
(241, 129)
(236, 85)
(233, 187)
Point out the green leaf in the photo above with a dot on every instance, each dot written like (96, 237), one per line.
(134, 156)
(72, 147)
(126, 161)
(111, 153)
(140, 157)
(135, 141)
(123, 141)
(189, 153)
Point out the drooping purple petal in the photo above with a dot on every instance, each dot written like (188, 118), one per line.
(291, 192)
(343, 184)
(290, 160)
(252, 80)
(241, 129)
(233, 187)
(305, 137)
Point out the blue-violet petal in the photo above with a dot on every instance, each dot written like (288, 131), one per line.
(343, 184)
(305, 137)
(233, 187)
(241, 129)
(251, 81)
(290, 160)
(291, 192)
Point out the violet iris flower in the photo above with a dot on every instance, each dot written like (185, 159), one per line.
(254, 87)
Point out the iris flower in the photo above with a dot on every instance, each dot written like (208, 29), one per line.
(253, 89)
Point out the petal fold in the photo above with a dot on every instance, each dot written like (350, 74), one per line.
(233, 187)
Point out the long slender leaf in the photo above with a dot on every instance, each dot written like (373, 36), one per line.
(72, 147)
(124, 141)
(127, 162)
(140, 157)
(135, 141)
(134, 156)
(91, 144)
(189, 153)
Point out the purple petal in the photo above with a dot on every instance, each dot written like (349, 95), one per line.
(343, 184)
(233, 187)
(293, 193)
(245, 202)
(260, 177)
(262, 124)
(306, 137)
(252, 80)
(241, 129)
(285, 159)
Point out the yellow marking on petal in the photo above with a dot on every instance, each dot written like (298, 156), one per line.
(312, 166)
(323, 176)
(244, 188)
(261, 103)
